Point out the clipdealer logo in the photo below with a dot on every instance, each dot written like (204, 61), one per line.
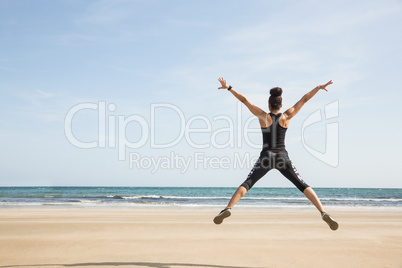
(112, 129)
(112, 132)
(330, 156)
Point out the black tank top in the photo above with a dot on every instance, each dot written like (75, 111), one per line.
(273, 137)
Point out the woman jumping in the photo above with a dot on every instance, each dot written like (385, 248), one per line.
(274, 154)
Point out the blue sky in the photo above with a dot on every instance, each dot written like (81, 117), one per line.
(55, 55)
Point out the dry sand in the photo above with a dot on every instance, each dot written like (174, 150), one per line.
(188, 238)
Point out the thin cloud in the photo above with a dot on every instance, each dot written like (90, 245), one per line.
(108, 13)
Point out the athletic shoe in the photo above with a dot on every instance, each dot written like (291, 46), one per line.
(330, 221)
(223, 214)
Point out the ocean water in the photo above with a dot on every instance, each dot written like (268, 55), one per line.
(193, 197)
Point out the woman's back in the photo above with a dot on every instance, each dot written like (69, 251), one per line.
(273, 137)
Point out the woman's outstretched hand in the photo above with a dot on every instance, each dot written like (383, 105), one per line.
(223, 83)
(324, 86)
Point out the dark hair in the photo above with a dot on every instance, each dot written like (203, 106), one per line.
(275, 100)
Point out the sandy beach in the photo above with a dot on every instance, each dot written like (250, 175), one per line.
(182, 237)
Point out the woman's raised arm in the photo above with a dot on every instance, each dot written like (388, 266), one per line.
(253, 109)
(289, 113)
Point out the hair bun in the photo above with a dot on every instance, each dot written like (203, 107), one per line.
(276, 91)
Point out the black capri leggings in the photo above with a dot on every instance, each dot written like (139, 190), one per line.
(278, 160)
